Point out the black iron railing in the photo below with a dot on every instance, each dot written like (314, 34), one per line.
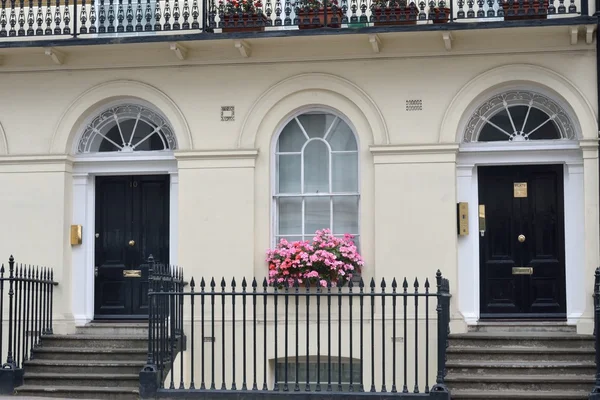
(26, 294)
(253, 340)
(95, 18)
(165, 317)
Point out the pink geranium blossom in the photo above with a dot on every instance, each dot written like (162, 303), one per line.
(326, 259)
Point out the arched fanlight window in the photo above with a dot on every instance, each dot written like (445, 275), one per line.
(519, 116)
(127, 128)
(316, 183)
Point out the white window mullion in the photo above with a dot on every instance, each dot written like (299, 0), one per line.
(302, 128)
(331, 214)
(303, 219)
(330, 128)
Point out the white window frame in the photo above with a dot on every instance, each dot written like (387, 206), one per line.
(275, 237)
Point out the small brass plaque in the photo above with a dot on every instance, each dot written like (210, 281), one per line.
(522, 271)
(76, 235)
(520, 189)
(132, 273)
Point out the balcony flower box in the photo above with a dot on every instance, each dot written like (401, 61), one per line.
(524, 9)
(311, 15)
(244, 22)
(440, 15)
(394, 14)
(242, 15)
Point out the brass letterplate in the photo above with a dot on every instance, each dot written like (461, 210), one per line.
(520, 189)
(132, 273)
(522, 270)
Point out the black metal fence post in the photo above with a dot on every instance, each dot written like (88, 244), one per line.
(595, 394)
(443, 315)
(149, 374)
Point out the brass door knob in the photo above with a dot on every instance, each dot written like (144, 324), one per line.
(132, 243)
(521, 238)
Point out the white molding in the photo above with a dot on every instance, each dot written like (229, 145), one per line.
(179, 50)
(375, 42)
(480, 154)
(244, 48)
(414, 153)
(58, 57)
(240, 158)
(447, 38)
(86, 167)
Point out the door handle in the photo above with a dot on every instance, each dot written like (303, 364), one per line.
(521, 238)
(95, 271)
(132, 243)
(482, 219)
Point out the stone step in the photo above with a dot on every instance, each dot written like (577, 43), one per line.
(515, 326)
(87, 380)
(507, 353)
(581, 368)
(521, 340)
(519, 382)
(112, 329)
(96, 354)
(96, 341)
(519, 395)
(81, 392)
(90, 366)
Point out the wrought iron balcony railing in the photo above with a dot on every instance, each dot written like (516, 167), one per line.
(38, 19)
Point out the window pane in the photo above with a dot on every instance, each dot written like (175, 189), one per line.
(317, 214)
(316, 167)
(291, 139)
(289, 173)
(345, 172)
(345, 214)
(341, 137)
(546, 131)
(316, 125)
(290, 216)
(491, 133)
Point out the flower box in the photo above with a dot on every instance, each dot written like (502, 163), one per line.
(311, 18)
(441, 15)
(326, 261)
(245, 22)
(395, 15)
(525, 9)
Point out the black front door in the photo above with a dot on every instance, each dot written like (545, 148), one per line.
(522, 250)
(132, 223)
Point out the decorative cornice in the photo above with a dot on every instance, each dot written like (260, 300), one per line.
(216, 158)
(36, 163)
(428, 148)
(414, 153)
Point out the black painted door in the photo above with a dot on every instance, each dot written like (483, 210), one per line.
(132, 223)
(522, 251)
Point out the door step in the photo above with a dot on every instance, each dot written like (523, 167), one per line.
(522, 326)
(100, 361)
(79, 392)
(519, 364)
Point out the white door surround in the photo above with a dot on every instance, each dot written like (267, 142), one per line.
(565, 152)
(85, 168)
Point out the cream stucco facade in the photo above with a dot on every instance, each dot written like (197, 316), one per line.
(413, 170)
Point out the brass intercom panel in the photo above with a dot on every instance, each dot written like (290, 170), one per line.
(463, 218)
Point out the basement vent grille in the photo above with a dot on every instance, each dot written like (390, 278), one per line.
(414, 105)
